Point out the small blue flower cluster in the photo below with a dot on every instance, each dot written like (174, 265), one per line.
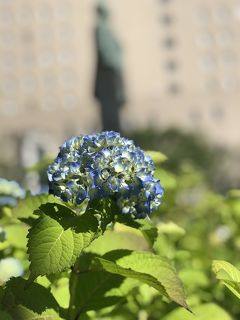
(105, 165)
(10, 191)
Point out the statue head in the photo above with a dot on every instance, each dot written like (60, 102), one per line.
(102, 10)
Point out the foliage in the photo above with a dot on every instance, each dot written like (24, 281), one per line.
(92, 262)
(178, 146)
(229, 276)
(182, 147)
(55, 240)
(60, 234)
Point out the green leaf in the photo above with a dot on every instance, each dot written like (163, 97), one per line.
(91, 291)
(16, 235)
(228, 274)
(5, 316)
(60, 291)
(94, 289)
(115, 239)
(57, 239)
(157, 156)
(149, 231)
(103, 209)
(36, 302)
(19, 312)
(146, 267)
(171, 228)
(207, 311)
(27, 206)
(234, 193)
(193, 278)
(168, 180)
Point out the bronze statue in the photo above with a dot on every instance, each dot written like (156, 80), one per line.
(109, 87)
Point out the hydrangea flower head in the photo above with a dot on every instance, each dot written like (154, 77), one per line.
(104, 165)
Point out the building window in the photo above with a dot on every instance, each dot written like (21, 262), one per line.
(44, 13)
(217, 112)
(9, 107)
(8, 60)
(208, 62)
(229, 59)
(171, 65)
(29, 83)
(29, 58)
(6, 17)
(202, 16)
(169, 42)
(230, 83)
(222, 14)
(195, 115)
(27, 36)
(65, 56)
(49, 103)
(46, 58)
(205, 39)
(50, 81)
(45, 34)
(65, 32)
(237, 11)
(225, 38)
(174, 88)
(167, 20)
(10, 85)
(69, 78)
(165, 1)
(25, 14)
(8, 39)
(64, 9)
(212, 85)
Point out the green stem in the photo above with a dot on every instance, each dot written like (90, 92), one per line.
(72, 290)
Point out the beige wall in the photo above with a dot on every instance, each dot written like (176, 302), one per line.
(47, 65)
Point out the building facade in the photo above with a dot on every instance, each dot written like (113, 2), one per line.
(181, 66)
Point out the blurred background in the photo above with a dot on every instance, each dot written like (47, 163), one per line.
(178, 68)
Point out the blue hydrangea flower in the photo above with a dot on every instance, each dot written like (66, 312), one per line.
(105, 165)
(10, 191)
